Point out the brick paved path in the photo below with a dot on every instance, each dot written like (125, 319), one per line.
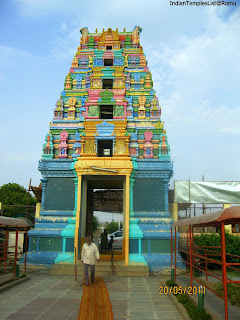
(48, 297)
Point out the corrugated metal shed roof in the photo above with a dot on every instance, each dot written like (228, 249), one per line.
(13, 222)
(229, 215)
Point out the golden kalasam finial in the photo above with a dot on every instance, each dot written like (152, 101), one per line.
(96, 31)
(103, 30)
(124, 29)
(116, 29)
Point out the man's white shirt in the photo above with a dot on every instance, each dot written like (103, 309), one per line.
(89, 253)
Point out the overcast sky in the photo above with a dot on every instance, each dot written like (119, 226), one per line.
(193, 53)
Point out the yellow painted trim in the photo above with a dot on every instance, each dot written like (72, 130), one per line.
(78, 217)
(122, 164)
(228, 227)
(38, 208)
(127, 221)
(175, 212)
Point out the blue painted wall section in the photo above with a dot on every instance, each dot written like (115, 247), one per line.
(152, 214)
(53, 235)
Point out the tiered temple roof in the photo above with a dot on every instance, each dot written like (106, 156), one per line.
(109, 81)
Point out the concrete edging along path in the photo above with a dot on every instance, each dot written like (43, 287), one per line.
(177, 304)
(14, 283)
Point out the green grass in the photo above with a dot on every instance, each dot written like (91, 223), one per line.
(233, 292)
(189, 305)
(230, 273)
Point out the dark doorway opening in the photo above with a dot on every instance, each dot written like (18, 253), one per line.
(107, 83)
(108, 62)
(105, 148)
(109, 47)
(104, 210)
(106, 112)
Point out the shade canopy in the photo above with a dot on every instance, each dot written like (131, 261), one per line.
(228, 216)
(13, 222)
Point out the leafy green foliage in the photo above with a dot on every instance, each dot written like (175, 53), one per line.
(214, 239)
(171, 283)
(192, 310)
(14, 194)
(189, 305)
(112, 227)
(96, 223)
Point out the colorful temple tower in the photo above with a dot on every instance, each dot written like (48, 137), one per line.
(106, 127)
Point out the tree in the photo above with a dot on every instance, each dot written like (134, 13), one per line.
(111, 227)
(14, 194)
(96, 223)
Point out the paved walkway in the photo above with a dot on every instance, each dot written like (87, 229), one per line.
(48, 297)
(138, 298)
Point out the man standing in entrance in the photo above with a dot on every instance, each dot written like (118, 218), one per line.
(89, 255)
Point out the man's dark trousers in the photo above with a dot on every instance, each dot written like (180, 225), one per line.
(92, 269)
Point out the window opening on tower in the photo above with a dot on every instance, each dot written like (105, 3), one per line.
(105, 148)
(107, 83)
(106, 112)
(108, 62)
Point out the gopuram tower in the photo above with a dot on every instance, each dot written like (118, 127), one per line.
(106, 133)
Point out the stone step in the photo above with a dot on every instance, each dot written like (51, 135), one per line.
(151, 215)
(50, 219)
(154, 221)
(152, 227)
(157, 234)
(53, 213)
(103, 269)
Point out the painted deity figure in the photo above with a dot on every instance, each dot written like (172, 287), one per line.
(90, 61)
(141, 110)
(63, 145)
(164, 146)
(79, 81)
(148, 146)
(142, 61)
(135, 35)
(148, 151)
(75, 62)
(84, 32)
(47, 147)
(126, 60)
(68, 83)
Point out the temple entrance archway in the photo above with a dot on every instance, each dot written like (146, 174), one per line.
(105, 197)
(105, 174)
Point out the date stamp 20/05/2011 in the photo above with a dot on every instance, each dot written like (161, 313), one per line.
(182, 290)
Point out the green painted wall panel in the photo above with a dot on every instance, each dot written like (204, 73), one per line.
(160, 246)
(148, 195)
(133, 246)
(69, 245)
(59, 194)
(50, 244)
(33, 243)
